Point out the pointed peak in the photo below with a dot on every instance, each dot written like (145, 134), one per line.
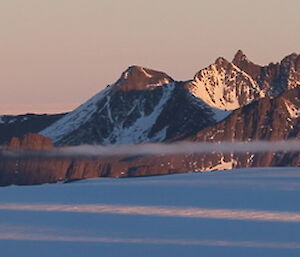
(239, 57)
(242, 62)
(220, 64)
(240, 52)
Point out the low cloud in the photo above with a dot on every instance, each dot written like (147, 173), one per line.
(95, 151)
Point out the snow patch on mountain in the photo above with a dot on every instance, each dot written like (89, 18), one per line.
(139, 131)
(219, 114)
(75, 119)
(223, 165)
(222, 85)
(146, 73)
(10, 119)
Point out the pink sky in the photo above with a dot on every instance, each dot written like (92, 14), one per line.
(56, 54)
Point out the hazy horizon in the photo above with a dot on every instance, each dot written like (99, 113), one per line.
(57, 54)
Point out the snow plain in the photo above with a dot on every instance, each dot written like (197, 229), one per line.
(250, 212)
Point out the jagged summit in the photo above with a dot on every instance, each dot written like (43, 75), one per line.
(241, 61)
(224, 85)
(273, 78)
(239, 56)
(231, 85)
(140, 78)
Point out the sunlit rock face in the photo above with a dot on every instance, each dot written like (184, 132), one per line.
(225, 86)
(231, 85)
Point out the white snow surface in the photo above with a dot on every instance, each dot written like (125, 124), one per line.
(250, 212)
(220, 114)
(75, 119)
(221, 90)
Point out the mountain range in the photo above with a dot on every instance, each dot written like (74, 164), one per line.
(226, 101)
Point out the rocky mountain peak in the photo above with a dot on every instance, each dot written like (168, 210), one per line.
(140, 78)
(239, 57)
(241, 61)
(289, 72)
(224, 85)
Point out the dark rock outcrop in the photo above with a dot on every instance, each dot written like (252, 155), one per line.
(31, 171)
(19, 125)
(274, 78)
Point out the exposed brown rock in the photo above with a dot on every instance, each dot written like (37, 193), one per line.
(139, 78)
(275, 77)
(30, 142)
(34, 171)
(241, 61)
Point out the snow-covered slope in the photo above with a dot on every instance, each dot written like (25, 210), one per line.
(145, 105)
(224, 86)
(139, 107)
(99, 113)
(231, 85)
(75, 119)
(235, 213)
